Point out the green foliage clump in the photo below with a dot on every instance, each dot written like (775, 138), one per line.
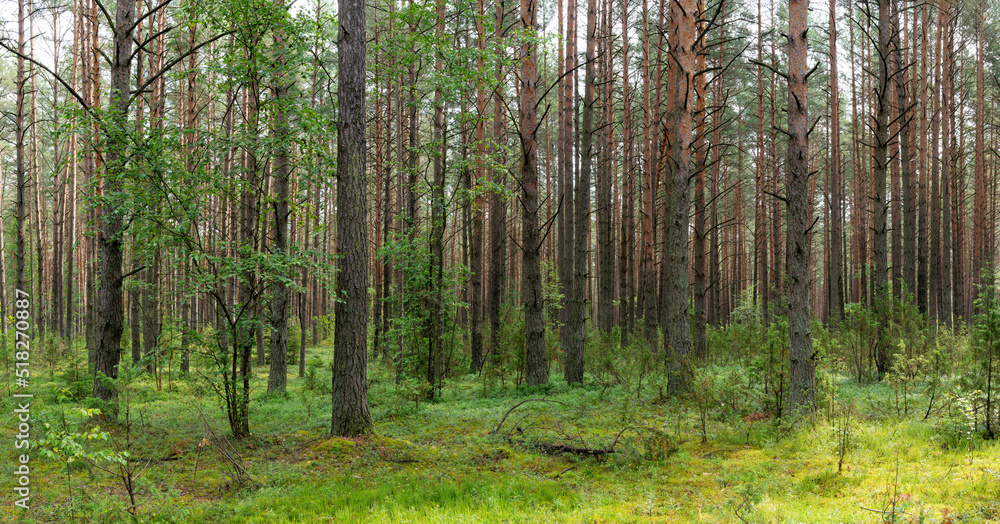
(412, 257)
(986, 351)
(66, 438)
(960, 425)
(505, 363)
(79, 384)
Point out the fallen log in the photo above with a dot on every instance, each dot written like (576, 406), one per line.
(559, 449)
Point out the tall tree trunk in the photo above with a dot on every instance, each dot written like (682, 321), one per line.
(802, 394)
(21, 185)
(650, 184)
(59, 196)
(760, 203)
(835, 282)
(626, 264)
(605, 255)
(581, 263)
(880, 263)
(39, 222)
(109, 308)
(934, 287)
(281, 171)
(351, 416)
(680, 99)
(567, 115)
(699, 337)
(909, 251)
(476, 254)
(945, 290)
(922, 225)
(982, 256)
(714, 270)
(498, 203)
(3, 275)
(953, 180)
(536, 362)
(435, 326)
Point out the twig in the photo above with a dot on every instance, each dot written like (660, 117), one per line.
(571, 468)
(519, 404)
(887, 512)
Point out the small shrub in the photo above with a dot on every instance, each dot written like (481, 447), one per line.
(960, 425)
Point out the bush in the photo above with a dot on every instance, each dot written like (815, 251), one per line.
(962, 422)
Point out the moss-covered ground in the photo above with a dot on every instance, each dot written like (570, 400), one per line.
(858, 460)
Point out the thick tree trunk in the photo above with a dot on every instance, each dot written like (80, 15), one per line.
(802, 394)
(536, 363)
(581, 263)
(567, 114)
(281, 171)
(350, 415)
(880, 263)
(650, 184)
(498, 203)
(626, 258)
(109, 308)
(476, 253)
(680, 99)
(435, 319)
(699, 337)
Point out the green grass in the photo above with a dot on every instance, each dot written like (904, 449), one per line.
(442, 461)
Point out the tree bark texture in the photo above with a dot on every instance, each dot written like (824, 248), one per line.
(351, 416)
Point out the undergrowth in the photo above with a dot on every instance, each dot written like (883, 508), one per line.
(907, 448)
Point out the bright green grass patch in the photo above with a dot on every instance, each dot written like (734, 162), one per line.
(448, 461)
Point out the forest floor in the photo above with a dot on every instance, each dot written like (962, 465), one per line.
(477, 455)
